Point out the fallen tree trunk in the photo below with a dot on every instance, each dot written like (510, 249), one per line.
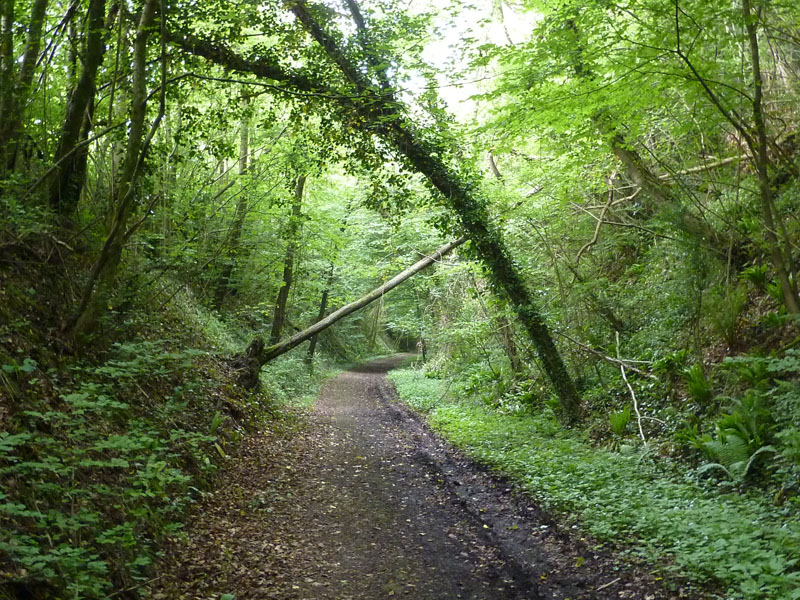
(455, 187)
(426, 154)
(258, 354)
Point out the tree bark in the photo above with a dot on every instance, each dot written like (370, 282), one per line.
(11, 119)
(257, 355)
(279, 313)
(638, 172)
(323, 303)
(502, 330)
(323, 306)
(421, 343)
(493, 166)
(502, 325)
(762, 162)
(101, 279)
(223, 287)
(64, 194)
(81, 150)
(7, 63)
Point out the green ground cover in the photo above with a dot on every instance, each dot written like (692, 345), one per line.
(734, 541)
(97, 470)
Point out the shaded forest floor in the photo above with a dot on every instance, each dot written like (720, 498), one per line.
(360, 500)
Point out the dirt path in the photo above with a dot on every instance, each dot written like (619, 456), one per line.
(364, 502)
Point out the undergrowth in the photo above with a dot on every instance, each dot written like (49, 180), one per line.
(734, 541)
(101, 458)
(96, 466)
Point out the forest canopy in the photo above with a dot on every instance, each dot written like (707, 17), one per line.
(589, 210)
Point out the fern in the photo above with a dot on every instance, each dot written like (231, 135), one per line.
(736, 471)
(698, 385)
(757, 275)
(727, 451)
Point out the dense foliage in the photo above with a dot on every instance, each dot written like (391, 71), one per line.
(178, 178)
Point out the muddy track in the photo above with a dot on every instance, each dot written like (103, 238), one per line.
(366, 502)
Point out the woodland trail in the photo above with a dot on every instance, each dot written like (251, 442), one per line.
(363, 501)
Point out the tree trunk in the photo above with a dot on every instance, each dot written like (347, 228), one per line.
(64, 193)
(323, 303)
(11, 119)
(97, 289)
(506, 332)
(637, 171)
(7, 63)
(257, 355)
(81, 151)
(762, 166)
(279, 314)
(654, 188)
(323, 306)
(232, 244)
(466, 202)
(376, 325)
(502, 325)
(421, 344)
(493, 166)
(501, 329)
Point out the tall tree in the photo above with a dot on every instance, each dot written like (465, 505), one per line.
(17, 94)
(67, 178)
(233, 243)
(323, 302)
(101, 279)
(7, 63)
(292, 241)
(758, 142)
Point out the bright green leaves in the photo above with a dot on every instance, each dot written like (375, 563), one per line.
(9, 442)
(88, 461)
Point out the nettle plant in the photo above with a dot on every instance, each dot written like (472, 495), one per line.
(93, 478)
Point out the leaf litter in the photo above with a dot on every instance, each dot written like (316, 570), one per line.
(359, 499)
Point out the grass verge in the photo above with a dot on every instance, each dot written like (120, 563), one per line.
(739, 542)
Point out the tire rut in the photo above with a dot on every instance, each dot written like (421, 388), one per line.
(365, 501)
